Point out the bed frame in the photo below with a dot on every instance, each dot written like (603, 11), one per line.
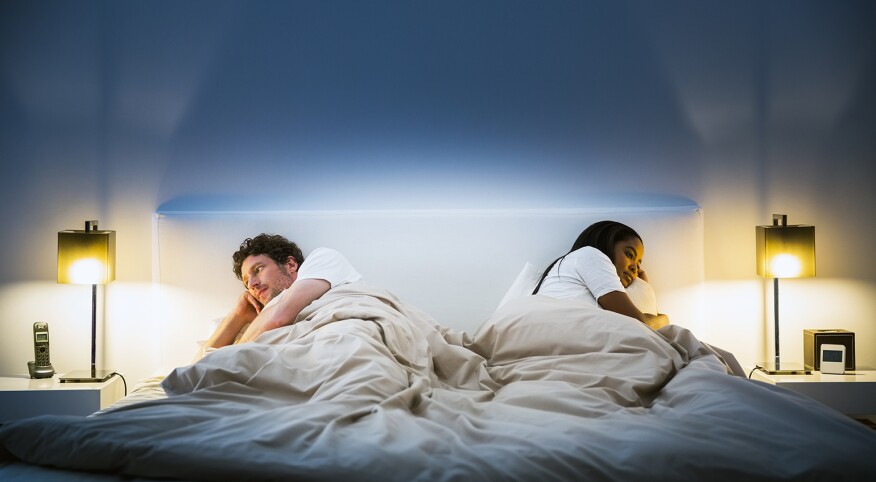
(455, 265)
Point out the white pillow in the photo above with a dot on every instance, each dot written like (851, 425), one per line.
(523, 285)
(642, 295)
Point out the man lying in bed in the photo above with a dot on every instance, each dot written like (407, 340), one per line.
(278, 284)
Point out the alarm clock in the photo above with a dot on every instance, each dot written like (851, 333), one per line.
(833, 359)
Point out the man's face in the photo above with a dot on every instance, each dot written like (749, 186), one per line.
(264, 278)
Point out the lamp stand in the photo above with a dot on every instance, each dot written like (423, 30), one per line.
(776, 367)
(93, 375)
(775, 329)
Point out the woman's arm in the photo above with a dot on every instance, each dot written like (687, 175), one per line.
(297, 297)
(620, 302)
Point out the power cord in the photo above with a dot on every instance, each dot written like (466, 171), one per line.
(123, 381)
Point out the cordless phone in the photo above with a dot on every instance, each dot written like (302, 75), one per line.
(42, 367)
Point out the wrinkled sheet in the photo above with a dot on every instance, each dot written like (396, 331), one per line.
(363, 387)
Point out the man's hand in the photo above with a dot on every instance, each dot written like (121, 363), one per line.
(247, 307)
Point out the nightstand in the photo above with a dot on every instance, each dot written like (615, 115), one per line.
(22, 397)
(853, 393)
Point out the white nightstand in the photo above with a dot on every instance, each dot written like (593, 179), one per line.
(853, 393)
(22, 397)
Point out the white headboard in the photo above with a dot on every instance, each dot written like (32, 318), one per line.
(455, 265)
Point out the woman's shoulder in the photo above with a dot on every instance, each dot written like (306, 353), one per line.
(588, 253)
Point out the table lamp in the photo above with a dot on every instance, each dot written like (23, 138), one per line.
(87, 257)
(784, 251)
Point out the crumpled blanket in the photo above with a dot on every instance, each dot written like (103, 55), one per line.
(364, 387)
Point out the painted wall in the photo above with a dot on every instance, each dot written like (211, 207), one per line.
(111, 110)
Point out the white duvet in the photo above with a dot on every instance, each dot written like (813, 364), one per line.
(363, 387)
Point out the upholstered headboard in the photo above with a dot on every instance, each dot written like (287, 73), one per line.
(455, 265)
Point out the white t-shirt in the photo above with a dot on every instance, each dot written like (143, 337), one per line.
(326, 264)
(585, 274)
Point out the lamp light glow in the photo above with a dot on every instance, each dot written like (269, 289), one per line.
(86, 271)
(785, 251)
(92, 252)
(786, 266)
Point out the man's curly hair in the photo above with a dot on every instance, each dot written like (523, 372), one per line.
(274, 246)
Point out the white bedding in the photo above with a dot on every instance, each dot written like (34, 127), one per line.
(364, 387)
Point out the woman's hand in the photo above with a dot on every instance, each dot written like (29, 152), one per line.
(655, 321)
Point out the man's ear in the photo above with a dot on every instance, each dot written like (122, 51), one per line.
(291, 264)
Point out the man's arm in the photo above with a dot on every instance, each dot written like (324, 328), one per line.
(620, 302)
(297, 297)
(245, 311)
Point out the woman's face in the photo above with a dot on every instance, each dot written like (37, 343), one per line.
(627, 259)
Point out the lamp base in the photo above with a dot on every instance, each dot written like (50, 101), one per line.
(87, 376)
(783, 368)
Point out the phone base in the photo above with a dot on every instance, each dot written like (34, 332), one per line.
(87, 376)
(35, 371)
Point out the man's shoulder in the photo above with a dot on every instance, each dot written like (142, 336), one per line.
(323, 252)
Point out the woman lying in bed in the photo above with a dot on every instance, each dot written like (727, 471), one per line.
(604, 260)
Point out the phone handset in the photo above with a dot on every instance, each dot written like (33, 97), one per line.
(42, 367)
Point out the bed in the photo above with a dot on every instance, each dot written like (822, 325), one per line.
(418, 373)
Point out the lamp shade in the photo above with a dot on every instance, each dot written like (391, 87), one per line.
(785, 251)
(86, 257)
